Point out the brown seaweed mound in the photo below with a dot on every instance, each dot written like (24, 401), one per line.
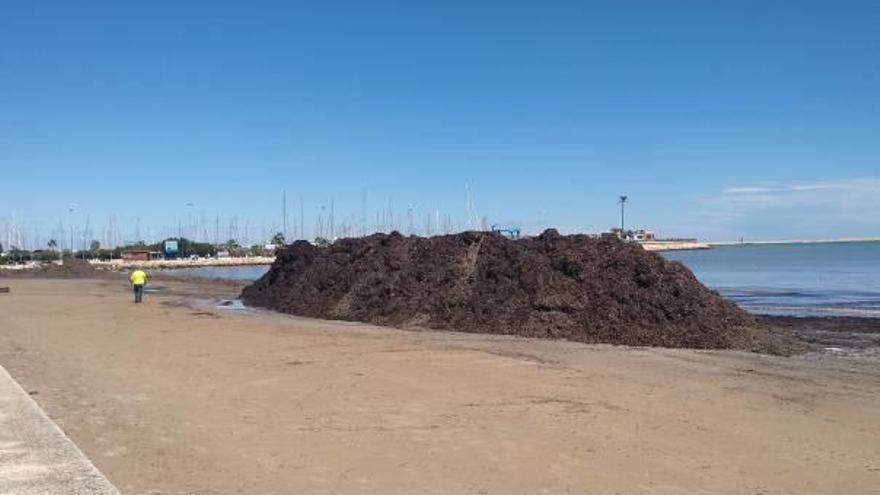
(571, 287)
(70, 268)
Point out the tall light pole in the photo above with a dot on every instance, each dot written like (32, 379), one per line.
(622, 201)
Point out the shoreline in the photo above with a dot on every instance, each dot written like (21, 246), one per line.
(843, 240)
(848, 320)
(118, 264)
(183, 263)
(673, 245)
(812, 334)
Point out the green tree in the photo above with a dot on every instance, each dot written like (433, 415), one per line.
(94, 246)
(52, 244)
(278, 239)
(45, 256)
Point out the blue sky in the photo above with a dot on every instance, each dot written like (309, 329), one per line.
(717, 119)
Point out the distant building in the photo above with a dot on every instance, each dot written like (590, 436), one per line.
(641, 235)
(137, 255)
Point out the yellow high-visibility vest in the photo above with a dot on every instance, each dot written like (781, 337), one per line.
(138, 277)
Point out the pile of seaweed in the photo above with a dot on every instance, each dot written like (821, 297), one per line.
(581, 288)
(69, 268)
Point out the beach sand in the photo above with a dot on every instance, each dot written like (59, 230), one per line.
(175, 396)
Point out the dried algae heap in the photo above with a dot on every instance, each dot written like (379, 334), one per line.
(570, 287)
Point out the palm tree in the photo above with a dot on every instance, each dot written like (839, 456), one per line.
(53, 244)
(278, 239)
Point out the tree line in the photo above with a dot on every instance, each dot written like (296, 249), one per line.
(185, 248)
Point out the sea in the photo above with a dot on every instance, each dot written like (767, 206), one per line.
(798, 279)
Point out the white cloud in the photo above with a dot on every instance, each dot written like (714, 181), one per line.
(861, 185)
(835, 192)
(748, 190)
(845, 207)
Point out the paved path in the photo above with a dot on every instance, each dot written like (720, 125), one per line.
(35, 455)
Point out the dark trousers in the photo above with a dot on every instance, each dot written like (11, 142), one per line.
(138, 293)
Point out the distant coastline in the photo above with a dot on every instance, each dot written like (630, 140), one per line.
(673, 245)
(183, 263)
(793, 241)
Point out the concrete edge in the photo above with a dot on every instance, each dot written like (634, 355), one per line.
(86, 477)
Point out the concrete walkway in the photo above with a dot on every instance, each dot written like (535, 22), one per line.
(36, 457)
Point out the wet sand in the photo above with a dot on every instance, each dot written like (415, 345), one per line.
(176, 396)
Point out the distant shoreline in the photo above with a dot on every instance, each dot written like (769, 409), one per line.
(673, 245)
(183, 263)
(795, 241)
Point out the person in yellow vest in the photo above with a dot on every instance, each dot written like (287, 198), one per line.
(138, 280)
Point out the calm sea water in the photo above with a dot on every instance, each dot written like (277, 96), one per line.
(832, 279)
(829, 279)
(221, 272)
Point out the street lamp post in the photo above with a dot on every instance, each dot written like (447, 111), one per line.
(622, 201)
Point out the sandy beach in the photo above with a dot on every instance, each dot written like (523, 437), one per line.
(176, 396)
